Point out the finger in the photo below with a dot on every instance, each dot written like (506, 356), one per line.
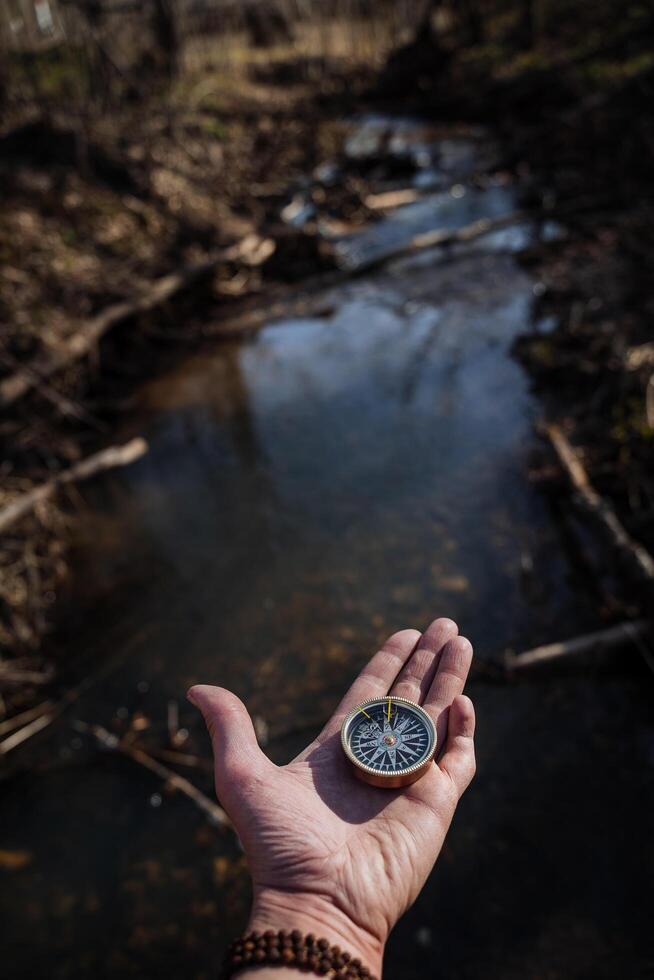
(414, 679)
(376, 677)
(448, 681)
(237, 756)
(458, 759)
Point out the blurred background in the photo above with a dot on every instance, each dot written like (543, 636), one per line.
(319, 320)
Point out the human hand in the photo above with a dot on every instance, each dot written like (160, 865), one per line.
(327, 853)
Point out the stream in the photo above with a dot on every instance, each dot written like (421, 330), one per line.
(307, 491)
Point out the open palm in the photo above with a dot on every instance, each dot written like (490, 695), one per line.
(323, 847)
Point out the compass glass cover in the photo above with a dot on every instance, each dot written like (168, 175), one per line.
(389, 736)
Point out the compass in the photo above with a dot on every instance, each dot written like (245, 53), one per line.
(389, 741)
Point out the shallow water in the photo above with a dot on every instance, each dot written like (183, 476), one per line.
(307, 492)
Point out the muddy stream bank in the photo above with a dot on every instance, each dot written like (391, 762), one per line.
(306, 492)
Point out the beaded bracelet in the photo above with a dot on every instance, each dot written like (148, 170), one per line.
(292, 949)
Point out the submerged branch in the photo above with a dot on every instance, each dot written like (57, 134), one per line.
(214, 813)
(605, 639)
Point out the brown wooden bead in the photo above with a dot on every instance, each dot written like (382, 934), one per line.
(291, 948)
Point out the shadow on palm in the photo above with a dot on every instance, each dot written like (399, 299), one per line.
(347, 797)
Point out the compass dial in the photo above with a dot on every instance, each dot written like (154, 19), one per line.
(389, 741)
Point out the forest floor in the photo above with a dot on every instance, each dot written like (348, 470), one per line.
(108, 211)
(100, 214)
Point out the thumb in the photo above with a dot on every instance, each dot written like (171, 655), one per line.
(236, 753)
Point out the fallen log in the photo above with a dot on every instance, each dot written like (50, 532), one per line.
(252, 249)
(634, 556)
(215, 814)
(605, 639)
(104, 460)
(312, 298)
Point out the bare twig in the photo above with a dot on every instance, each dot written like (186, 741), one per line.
(103, 460)
(604, 639)
(24, 733)
(16, 721)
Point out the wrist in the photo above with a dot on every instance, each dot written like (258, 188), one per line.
(316, 914)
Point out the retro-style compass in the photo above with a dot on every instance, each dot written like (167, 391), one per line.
(389, 741)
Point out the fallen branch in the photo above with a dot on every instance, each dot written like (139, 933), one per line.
(215, 814)
(432, 239)
(391, 199)
(104, 460)
(634, 555)
(252, 249)
(605, 639)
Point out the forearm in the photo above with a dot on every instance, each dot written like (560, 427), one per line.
(311, 915)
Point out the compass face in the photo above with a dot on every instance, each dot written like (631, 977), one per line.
(387, 739)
